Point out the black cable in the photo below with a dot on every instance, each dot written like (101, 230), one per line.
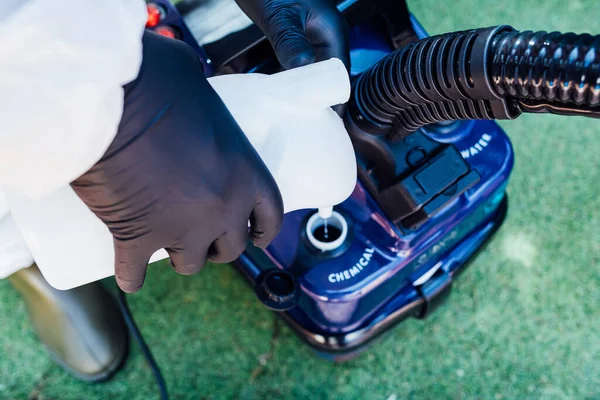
(137, 336)
(537, 106)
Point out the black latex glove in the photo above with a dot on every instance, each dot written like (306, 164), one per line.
(180, 173)
(301, 31)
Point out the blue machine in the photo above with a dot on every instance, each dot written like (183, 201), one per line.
(337, 302)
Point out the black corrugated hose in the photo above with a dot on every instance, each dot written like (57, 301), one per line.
(489, 73)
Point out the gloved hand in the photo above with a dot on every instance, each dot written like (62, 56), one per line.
(301, 31)
(180, 174)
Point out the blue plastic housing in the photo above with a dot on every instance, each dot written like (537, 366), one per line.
(385, 274)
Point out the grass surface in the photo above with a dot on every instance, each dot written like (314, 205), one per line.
(522, 322)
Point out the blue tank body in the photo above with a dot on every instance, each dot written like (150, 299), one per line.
(385, 273)
(381, 272)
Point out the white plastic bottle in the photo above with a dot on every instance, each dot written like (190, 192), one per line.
(287, 118)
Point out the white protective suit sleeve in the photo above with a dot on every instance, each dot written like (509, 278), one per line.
(14, 253)
(63, 64)
(62, 67)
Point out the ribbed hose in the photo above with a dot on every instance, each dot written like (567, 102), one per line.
(491, 73)
(551, 69)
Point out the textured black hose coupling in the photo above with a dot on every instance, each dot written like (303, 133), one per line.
(490, 73)
(439, 78)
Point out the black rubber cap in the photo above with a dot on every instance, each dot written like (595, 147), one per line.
(277, 289)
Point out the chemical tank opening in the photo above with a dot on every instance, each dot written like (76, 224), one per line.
(327, 234)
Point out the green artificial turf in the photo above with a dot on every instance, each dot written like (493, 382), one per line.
(522, 322)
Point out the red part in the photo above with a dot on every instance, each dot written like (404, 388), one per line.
(155, 15)
(167, 31)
